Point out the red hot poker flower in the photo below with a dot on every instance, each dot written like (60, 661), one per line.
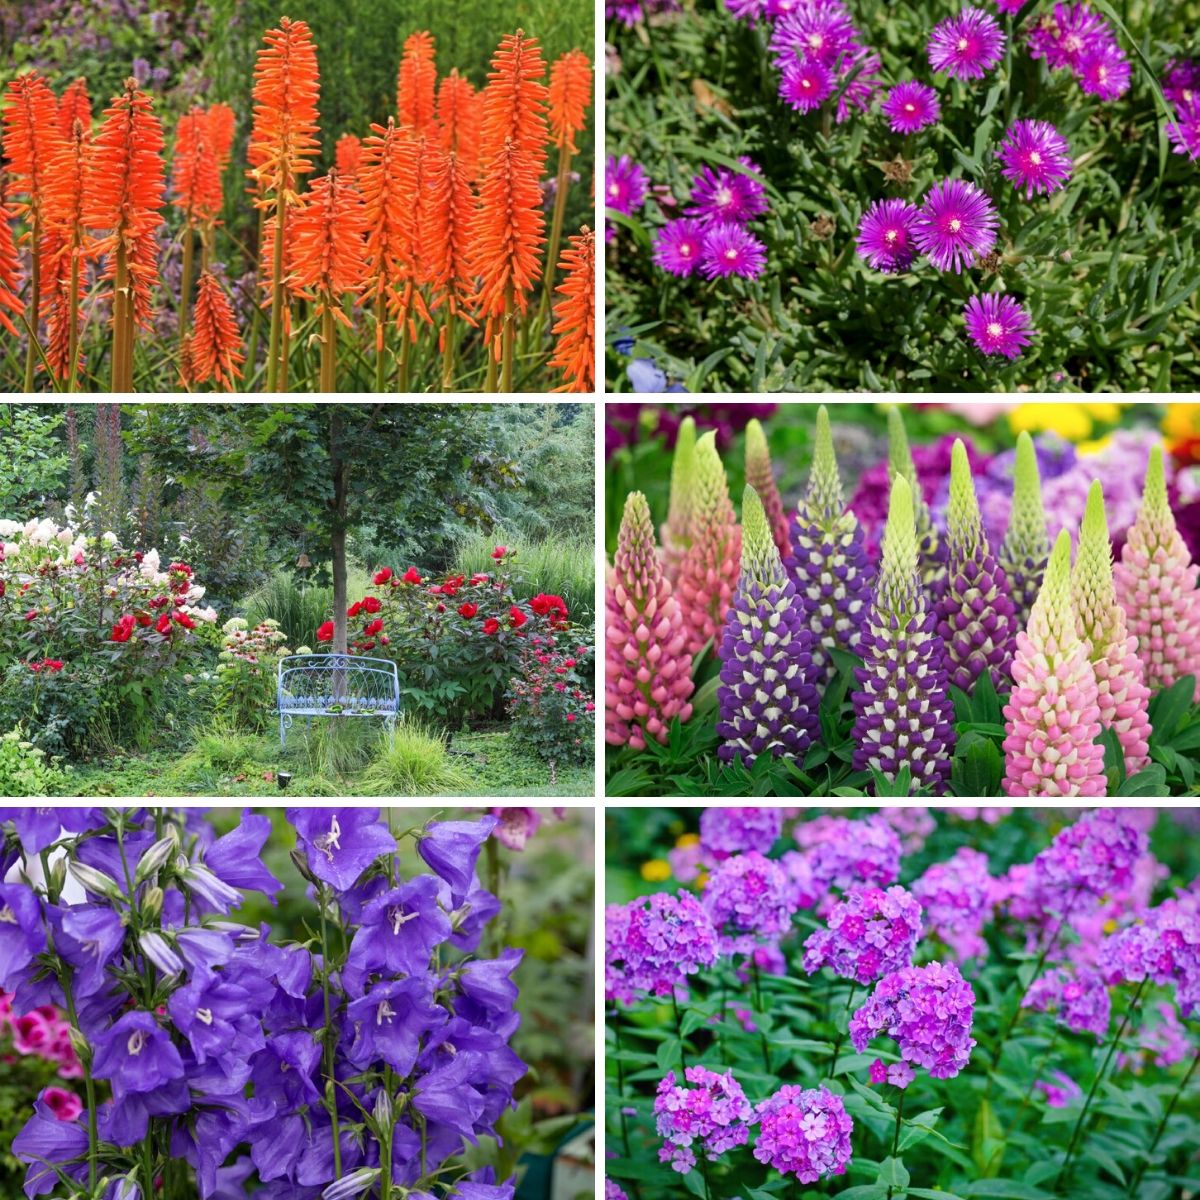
(569, 95)
(348, 155)
(575, 327)
(328, 252)
(215, 345)
(416, 82)
(458, 114)
(10, 275)
(75, 105)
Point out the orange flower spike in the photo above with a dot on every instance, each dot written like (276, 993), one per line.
(10, 274)
(514, 101)
(570, 94)
(196, 177)
(416, 83)
(348, 155)
(222, 122)
(31, 137)
(214, 350)
(75, 105)
(458, 110)
(449, 228)
(575, 327)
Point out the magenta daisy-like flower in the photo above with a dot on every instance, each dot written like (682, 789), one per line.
(625, 185)
(1105, 72)
(957, 224)
(998, 325)
(679, 245)
(1066, 38)
(726, 195)
(1184, 135)
(910, 106)
(858, 77)
(820, 30)
(1181, 83)
(731, 250)
(1036, 157)
(966, 46)
(886, 235)
(806, 85)
(1010, 6)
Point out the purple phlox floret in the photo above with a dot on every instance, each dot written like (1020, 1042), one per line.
(1164, 949)
(340, 843)
(767, 959)
(390, 1020)
(927, 1011)
(728, 831)
(40, 828)
(653, 944)
(1080, 998)
(870, 933)
(44, 1143)
(21, 934)
(714, 1113)
(747, 898)
(612, 1190)
(451, 850)
(804, 1132)
(843, 852)
(957, 898)
(1062, 1093)
(1088, 859)
(399, 931)
(236, 858)
(913, 825)
(1163, 1042)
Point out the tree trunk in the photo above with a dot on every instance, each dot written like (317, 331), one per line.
(337, 538)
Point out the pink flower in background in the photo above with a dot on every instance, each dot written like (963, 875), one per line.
(66, 1106)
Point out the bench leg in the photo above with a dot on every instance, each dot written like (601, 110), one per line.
(282, 733)
(390, 722)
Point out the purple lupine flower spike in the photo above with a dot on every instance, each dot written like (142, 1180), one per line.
(903, 713)
(931, 545)
(828, 563)
(975, 614)
(1025, 551)
(767, 699)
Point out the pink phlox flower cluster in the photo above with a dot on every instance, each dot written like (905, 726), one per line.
(715, 1113)
(989, 816)
(913, 825)
(804, 891)
(1120, 907)
(43, 1033)
(686, 861)
(1164, 1042)
(767, 957)
(1090, 858)
(612, 1190)
(927, 1011)
(957, 898)
(653, 944)
(843, 852)
(870, 933)
(898, 1074)
(1062, 1093)
(804, 1132)
(1080, 998)
(1164, 949)
(728, 831)
(747, 900)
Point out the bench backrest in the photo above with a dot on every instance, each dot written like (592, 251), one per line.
(340, 676)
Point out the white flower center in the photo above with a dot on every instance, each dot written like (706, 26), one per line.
(385, 1012)
(614, 189)
(685, 250)
(398, 917)
(995, 329)
(327, 843)
(205, 1015)
(910, 107)
(722, 197)
(815, 40)
(137, 1039)
(955, 224)
(891, 235)
(7, 916)
(731, 255)
(963, 43)
(1035, 158)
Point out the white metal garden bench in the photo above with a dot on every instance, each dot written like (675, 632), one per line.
(336, 685)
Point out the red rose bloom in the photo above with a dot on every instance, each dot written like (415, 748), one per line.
(570, 716)
(376, 626)
(412, 575)
(325, 632)
(371, 604)
(441, 608)
(122, 631)
(499, 552)
(491, 625)
(383, 575)
(31, 615)
(385, 640)
(481, 578)
(143, 619)
(354, 609)
(516, 617)
(185, 620)
(164, 624)
(467, 610)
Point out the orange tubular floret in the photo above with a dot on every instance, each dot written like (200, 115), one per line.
(195, 177)
(451, 218)
(286, 89)
(31, 138)
(570, 93)
(328, 251)
(514, 101)
(575, 327)
(214, 350)
(458, 112)
(348, 155)
(10, 274)
(387, 207)
(75, 105)
(416, 82)
(124, 193)
(222, 121)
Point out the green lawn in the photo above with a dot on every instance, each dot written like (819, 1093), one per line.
(332, 761)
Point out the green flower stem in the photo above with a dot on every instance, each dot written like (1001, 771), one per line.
(896, 1134)
(148, 1164)
(616, 1024)
(679, 1035)
(330, 1092)
(841, 1037)
(1087, 1104)
(758, 1008)
(89, 1085)
(1162, 1126)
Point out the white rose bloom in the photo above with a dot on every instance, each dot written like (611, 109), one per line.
(90, 499)
(65, 536)
(207, 615)
(8, 528)
(195, 593)
(109, 538)
(151, 563)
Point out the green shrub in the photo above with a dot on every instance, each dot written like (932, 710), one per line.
(417, 765)
(25, 770)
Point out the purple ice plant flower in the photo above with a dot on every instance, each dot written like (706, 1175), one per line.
(868, 934)
(1066, 37)
(927, 1011)
(887, 234)
(911, 106)
(625, 184)
(1010, 6)
(1105, 72)
(966, 46)
(714, 1113)
(806, 85)
(820, 31)
(728, 831)
(1036, 158)
(747, 899)
(725, 196)
(804, 1132)
(998, 324)
(340, 843)
(957, 224)
(678, 246)
(858, 79)
(731, 250)
(750, 11)
(653, 944)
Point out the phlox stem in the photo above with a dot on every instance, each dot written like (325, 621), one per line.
(1162, 1126)
(841, 1037)
(896, 1135)
(679, 1034)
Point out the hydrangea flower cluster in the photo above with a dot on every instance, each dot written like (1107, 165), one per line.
(1165, 948)
(653, 944)
(872, 932)
(804, 1132)
(712, 238)
(747, 899)
(204, 1028)
(1076, 38)
(842, 853)
(1089, 858)
(714, 1112)
(728, 831)
(956, 897)
(927, 1011)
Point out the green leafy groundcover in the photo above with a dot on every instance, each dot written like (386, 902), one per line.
(990, 1131)
(1107, 268)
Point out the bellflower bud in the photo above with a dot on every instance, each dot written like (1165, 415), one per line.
(350, 1186)
(155, 858)
(95, 881)
(152, 902)
(154, 947)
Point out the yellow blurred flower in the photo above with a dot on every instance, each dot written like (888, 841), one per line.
(687, 839)
(1095, 446)
(1070, 421)
(657, 870)
(1110, 926)
(1181, 421)
(1105, 414)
